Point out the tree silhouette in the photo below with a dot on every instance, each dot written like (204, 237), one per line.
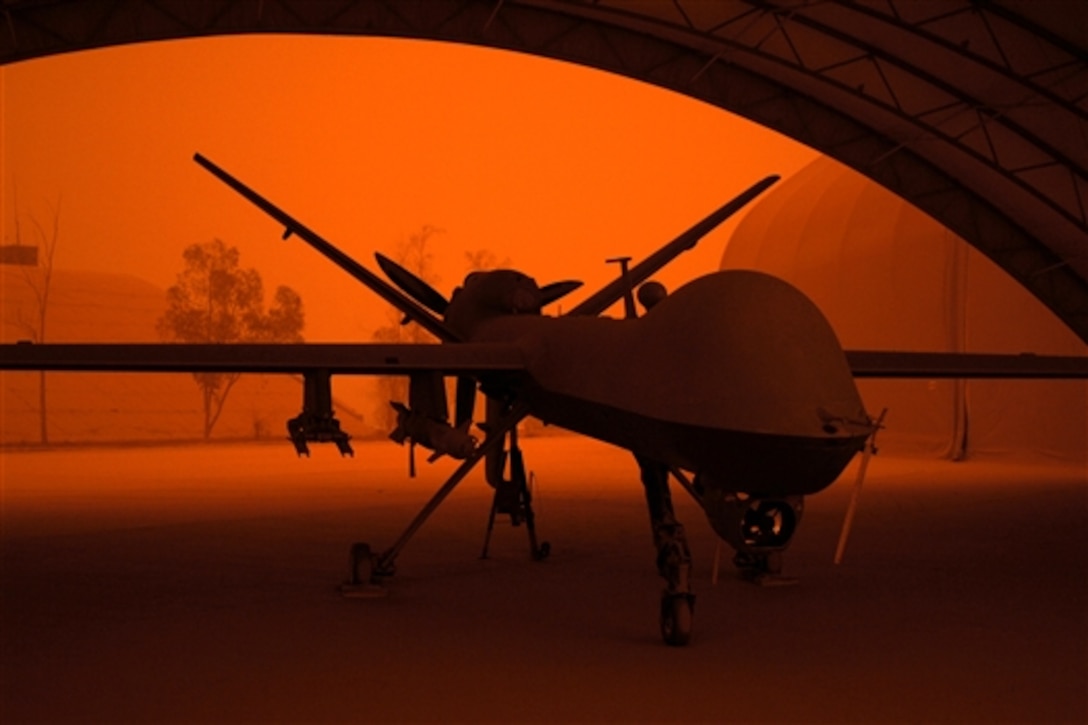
(217, 301)
(39, 280)
(484, 259)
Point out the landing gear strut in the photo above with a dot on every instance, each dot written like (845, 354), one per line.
(673, 555)
(513, 497)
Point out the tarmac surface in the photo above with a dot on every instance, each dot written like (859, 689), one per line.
(199, 584)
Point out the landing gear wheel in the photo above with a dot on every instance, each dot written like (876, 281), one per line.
(677, 613)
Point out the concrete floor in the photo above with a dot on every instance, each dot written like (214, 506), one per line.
(198, 584)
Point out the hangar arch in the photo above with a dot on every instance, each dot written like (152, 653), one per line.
(975, 112)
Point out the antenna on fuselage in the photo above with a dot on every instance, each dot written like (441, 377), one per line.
(628, 294)
(609, 294)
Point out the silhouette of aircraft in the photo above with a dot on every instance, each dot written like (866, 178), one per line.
(735, 385)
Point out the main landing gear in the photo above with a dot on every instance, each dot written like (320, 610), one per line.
(513, 497)
(368, 570)
(673, 555)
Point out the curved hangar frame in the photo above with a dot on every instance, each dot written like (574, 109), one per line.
(976, 112)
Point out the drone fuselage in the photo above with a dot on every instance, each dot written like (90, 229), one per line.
(736, 375)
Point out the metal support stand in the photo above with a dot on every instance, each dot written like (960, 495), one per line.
(513, 497)
(762, 568)
(368, 569)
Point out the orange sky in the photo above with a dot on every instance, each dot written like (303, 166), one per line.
(551, 165)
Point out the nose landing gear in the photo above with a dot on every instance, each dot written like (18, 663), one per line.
(677, 601)
(673, 555)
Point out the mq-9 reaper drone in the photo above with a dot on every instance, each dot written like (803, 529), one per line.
(734, 384)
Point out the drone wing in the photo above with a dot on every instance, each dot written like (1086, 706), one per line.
(315, 363)
(330, 358)
(879, 364)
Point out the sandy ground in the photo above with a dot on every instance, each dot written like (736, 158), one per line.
(198, 584)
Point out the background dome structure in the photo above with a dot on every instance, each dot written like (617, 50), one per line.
(891, 278)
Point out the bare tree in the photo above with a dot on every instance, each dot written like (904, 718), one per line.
(216, 301)
(39, 280)
(484, 259)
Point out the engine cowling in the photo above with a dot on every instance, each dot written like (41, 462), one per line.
(751, 524)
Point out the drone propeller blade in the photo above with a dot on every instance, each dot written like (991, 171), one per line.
(556, 290)
(416, 288)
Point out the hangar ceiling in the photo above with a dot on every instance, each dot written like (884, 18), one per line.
(974, 111)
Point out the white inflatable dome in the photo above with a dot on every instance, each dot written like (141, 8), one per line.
(888, 277)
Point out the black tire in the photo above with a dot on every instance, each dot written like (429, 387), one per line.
(677, 615)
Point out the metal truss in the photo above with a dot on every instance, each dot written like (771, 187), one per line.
(976, 112)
